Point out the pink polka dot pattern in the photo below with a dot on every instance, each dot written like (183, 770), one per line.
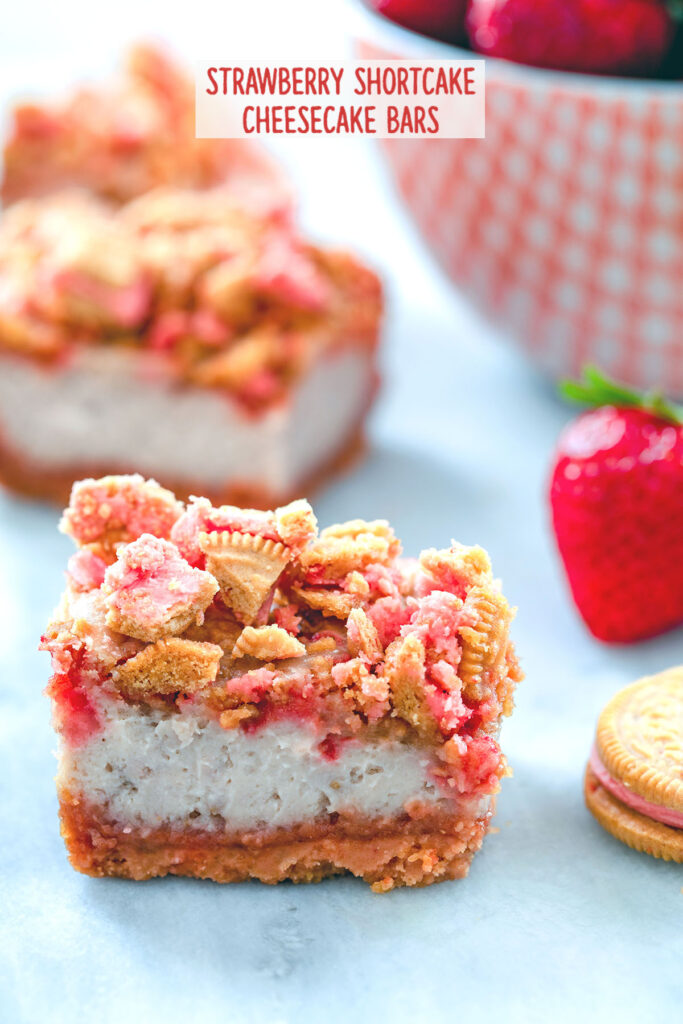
(565, 224)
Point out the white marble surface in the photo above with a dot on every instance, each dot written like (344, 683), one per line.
(557, 921)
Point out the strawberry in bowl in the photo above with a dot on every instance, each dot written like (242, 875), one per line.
(620, 37)
(442, 19)
(616, 496)
(625, 37)
(606, 37)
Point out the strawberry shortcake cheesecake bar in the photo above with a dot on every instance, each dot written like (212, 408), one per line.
(181, 336)
(161, 313)
(239, 695)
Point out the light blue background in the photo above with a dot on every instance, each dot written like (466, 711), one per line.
(557, 921)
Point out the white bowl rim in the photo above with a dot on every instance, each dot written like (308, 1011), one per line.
(370, 25)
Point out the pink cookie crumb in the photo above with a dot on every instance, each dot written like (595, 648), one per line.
(383, 580)
(287, 618)
(261, 387)
(174, 325)
(288, 275)
(126, 305)
(153, 592)
(86, 570)
(388, 615)
(251, 687)
(202, 517)
(374, 690)
(435, 621)
(119, 508)
(445, 700)
(475, 765)
(75, 714)
(481, 765)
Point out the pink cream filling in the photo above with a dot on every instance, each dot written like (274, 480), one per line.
(637, 803)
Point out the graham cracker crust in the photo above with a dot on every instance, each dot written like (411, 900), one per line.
(31, 480)
(404, 857)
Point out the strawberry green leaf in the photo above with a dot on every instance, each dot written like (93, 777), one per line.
(675, 8)
(595, 389)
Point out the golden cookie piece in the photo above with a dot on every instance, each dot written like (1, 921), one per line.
(483, 644)
(349, 547)
(405, 676)
(246, 567)
(457, 565)
(640, 738)
(296, 524)
(331, 602)
(363, 636)
(169, 666)
(267, 643)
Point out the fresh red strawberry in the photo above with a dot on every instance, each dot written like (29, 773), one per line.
(625, 37)
(442, 19)
(617, 508)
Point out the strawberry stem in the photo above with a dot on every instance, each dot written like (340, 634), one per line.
(596, 389)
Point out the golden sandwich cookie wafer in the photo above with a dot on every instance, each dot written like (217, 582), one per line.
(634, 778)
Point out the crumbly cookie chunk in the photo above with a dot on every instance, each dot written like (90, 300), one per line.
(286, 273)
(404, 672)
(363, 637)
(348, 547)
(246, 567)
(75, 265)
(228, 288)
(233, 717)
(356, 584)
(116, 509)
(85, 570)
(235, 366)
(329, 601)
(267, 643)
(201, 516)
(219, 627)
(323, 645)
(296, 524)
(169, 666)
(640, 738)
(152, 592)
(368, 693)
(457, 567)
(484, 643)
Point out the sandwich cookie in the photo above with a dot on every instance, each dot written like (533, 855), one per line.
(634, 777)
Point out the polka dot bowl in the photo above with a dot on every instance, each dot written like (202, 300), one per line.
(565, 224)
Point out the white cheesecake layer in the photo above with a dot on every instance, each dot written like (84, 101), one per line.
(156, 768)
(110, 408)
